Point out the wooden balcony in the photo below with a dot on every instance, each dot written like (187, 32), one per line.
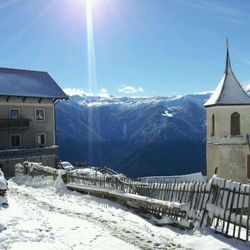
(14, 124)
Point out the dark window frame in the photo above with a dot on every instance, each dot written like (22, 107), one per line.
(37, 139)
(44, 115)
(248, 167)
(20, 141)
(235, 124)
(213, 125)
(14, 109)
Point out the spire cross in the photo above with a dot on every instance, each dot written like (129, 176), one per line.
(228, 64)
(227, 44)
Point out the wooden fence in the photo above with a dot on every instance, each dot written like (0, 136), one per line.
(221, 204)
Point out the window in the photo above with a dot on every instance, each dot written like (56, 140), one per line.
(248, 167)
(213, 126)
(235, 124)
(15, 141)
(41, 139)
(14, 114)
(40, 114)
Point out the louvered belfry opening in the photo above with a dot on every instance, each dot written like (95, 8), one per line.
(235, 124)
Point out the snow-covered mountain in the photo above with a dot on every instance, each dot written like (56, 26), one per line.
(137, 136)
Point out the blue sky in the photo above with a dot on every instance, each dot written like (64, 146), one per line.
(142, 47)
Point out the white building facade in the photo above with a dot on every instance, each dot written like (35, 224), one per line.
(27, 118)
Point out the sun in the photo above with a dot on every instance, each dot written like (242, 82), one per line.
(89, 3)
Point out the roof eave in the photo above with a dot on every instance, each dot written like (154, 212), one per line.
(46, 97)
(226, 104)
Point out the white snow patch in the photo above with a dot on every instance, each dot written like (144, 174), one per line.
(188, 177)
(167, 113)
(208, 92)
(177, 97)
(1, 173)
(39, 218)
(3, 184)
(246, 87)
(60, 185)
(96, 104)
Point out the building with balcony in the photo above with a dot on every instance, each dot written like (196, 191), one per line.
(27, 117)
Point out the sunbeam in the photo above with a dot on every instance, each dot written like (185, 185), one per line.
(93, 115)
(90, 46)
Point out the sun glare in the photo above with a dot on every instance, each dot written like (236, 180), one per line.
(89, 2)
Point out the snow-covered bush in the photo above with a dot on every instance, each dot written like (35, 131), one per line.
(3, 185)
(36, 168)
(3, 189)
(3, 182)
(1, 173)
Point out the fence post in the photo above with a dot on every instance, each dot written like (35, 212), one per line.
(205, 207)
(230, 211)
(248, 215)
(241, 211)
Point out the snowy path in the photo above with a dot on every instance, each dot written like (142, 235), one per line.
(33, 227)
(75, 221)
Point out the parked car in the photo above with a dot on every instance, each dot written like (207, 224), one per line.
(88, 172)
(81, 164)
(65, 165)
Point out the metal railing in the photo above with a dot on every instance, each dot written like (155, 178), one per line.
(27, 152)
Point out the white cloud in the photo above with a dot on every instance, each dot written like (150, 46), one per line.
(80, 92)
(128, 89)
(204, 92)
(104, 93)
(75, 91)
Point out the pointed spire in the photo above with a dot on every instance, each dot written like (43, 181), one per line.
(228, 62)
(229, 91)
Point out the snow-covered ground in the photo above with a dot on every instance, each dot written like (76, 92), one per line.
(47, 216)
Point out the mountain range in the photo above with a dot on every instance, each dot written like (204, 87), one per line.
(135, 136)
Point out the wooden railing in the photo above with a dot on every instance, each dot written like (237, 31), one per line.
(220, 204)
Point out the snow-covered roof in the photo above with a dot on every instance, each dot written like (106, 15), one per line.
(29, 83)
(229, 91)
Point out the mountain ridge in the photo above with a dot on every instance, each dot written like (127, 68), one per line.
(137, 136)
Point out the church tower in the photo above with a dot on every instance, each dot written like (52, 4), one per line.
(228, 128)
